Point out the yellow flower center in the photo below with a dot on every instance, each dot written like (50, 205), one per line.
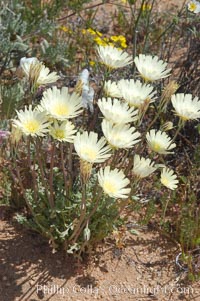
(59, 134)
(184, 118)
(146, 79)
(156, 147)
(90, 153)
(61, 109)
(118, 138)
(165, 181)
(116, 141)
(32, 126)
(192, 7)
(109, 187)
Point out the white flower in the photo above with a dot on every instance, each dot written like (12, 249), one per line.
(88, 99)
(186, 107)
(135, 93)
(86, 91)
(151, 68)
(61, 105)
(168, 178)
(113, 57)
(114, 182)
(84, 77)
(25, 64)
(36, 71)
(63, 132)
(117, 112)
(120, 135)
(194, 6)
(32, 122)
(90, 149)
(143, 167)
(46, 77)
(111, 89)
(159, 142)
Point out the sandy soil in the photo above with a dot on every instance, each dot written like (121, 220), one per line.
(144, 268)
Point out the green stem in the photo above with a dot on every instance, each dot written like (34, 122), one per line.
(165, 209)
(63, 168)
(35, 185)
(42, 173)
(148, 27)
(25, 197)
(29, 151)
(22, 187)
(153, 121)
(173, 23)
(51, 176)
(82, 214)
(32, 170)
(180, 125)
(70, 161)
(89, 216)
(135, 31)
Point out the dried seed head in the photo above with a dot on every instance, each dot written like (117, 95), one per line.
(79, 87)
(34, 73)
(85, 169)
(167, 126)
(167, 93)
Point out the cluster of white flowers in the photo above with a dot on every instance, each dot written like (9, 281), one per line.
(52, 115)
(120, 106)
(134, 93)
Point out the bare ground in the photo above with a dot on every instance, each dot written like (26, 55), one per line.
(144, 268)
